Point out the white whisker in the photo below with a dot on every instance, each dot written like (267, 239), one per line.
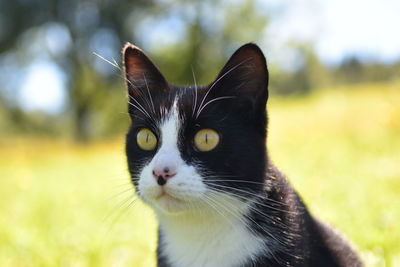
(220, 78)
(255, 209)
(261, 228)
(108, 61)
(148, 91)
(233, 212)
(212, 100)
(119, 206)
(255, 200)
(195, 92)
(128, 190)
(140, 109)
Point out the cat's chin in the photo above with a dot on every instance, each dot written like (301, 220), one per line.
(169, 204)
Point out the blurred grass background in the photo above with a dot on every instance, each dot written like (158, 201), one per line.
(61, 203)
(65, 197)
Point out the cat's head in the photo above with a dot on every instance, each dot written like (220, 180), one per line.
(189, 145)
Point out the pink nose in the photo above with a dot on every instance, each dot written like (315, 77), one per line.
(165, 166)
(163, 173)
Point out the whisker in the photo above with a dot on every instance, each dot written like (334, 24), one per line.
(121, 193)
(195, 91)
(220, 78)
(212, 100)
(148, 91)
(232, 212)
(137, 105)
(122, 212)
(255, 200)
(215, 208)
(238, 181)
(238, 216)
(142, 109)
(106, 60)
(137, 108)
(118, 178)
(283, 242)
(141, 95)
(115, 62)
(270, 217)
(263, 229)
(241, 181)
(118, 206)
(249, 182)
(128, 182)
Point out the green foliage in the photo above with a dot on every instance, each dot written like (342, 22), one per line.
(86, 27)
(211, 35)
(352, 71)
(339, 147)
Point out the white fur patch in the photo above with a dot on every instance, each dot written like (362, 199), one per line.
(213, 237)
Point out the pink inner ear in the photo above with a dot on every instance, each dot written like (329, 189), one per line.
(134, 66)
(134, 70)
(141, 72)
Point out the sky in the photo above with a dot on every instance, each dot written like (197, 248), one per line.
(341, 28)
(43, 88)
(338, 29)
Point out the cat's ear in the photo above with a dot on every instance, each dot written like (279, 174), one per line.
(245, 76)
(141, 74)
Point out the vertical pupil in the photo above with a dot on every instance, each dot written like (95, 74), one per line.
(147, 138)
(206, 139)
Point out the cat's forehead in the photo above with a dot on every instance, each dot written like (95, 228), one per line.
(190, 105)
(181, 102)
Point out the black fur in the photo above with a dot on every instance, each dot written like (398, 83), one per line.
(240, 118)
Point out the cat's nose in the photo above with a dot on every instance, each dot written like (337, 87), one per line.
(163, 173)
(165, 167)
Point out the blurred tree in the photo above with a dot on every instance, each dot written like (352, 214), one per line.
(79, 28)
(350, 70)
(308, 75)
(313, 74)
(353, 70)
(68, 32)
(213, 31)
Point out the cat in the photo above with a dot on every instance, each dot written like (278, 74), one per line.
(197, 156)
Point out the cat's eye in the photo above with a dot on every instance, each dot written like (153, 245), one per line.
(206, 140)
(146, 139)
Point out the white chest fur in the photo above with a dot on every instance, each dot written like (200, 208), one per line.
(208, 241)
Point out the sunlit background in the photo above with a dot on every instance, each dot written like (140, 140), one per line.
(65, 197)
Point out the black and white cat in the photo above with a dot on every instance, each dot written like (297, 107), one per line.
(197, 156)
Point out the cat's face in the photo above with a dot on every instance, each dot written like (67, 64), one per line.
(189, 146)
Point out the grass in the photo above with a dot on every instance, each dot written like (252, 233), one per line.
(63, 205)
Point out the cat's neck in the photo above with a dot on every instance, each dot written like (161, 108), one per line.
(216, 237)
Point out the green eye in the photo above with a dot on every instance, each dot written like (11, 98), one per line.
(206, 140)
(146, 139)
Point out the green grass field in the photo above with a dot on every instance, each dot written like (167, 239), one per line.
(68, 205)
